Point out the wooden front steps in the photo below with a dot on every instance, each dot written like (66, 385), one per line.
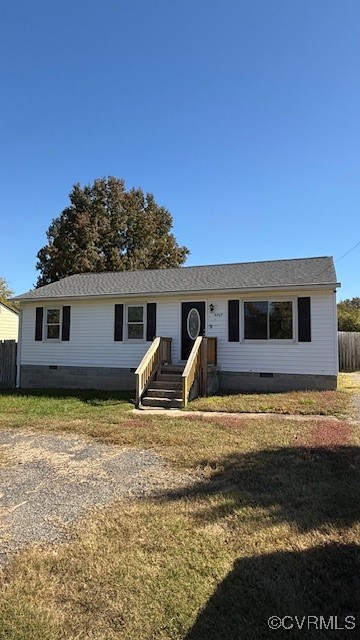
(165, 391)
(159, 383)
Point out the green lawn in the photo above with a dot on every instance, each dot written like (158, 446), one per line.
(76, 404)
(269, 526)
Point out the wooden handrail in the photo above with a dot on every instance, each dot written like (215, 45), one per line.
(191, 369)
(158, 352)
(202, 353)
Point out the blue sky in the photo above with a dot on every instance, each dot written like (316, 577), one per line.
(242, 117)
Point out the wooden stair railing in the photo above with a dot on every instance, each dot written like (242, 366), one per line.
(192, 368)
(158, 353)
(203, 353)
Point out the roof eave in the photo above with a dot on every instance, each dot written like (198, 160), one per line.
(186, 292)
(8, 307)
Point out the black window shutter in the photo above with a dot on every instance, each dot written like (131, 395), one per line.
(234, 320)
(304, 320)
(39, 323)
(150, 321)
(65, 331)
(119, 321)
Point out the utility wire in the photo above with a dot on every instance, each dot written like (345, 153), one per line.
(341, 257)
(352, 248)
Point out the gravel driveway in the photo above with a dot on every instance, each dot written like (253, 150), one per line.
(48, 481)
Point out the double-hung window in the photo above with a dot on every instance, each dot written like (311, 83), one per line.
(268, 320)
(52, 323)
(135, 322)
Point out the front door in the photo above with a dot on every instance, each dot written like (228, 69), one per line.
(192, 325)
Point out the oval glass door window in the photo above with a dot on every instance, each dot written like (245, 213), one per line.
(193, 324)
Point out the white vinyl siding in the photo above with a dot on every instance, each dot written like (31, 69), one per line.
(92, 336)
(9, 324)
(265, 356)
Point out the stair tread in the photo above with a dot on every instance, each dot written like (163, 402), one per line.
(176, 382)
(168, 386)
(173, 366)
(165, 391)
(160, 398)
(157, 389)
(168, 374)
(165, 394)
(177, 367)
(175, 403)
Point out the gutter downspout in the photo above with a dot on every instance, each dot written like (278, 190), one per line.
(18, 355)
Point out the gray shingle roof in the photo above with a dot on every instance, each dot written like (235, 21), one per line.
(239, 276)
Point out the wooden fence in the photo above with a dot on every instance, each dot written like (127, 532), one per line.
(349, 350)
(7, 364)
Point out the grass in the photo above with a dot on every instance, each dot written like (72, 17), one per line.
(43, 403)
(268, 526)
(347, 382)
(24, 406)
(326, 403)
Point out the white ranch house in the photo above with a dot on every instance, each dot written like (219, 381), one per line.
(261, 326)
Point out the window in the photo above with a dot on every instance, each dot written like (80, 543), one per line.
(193, 324)
(268, 320)
(53, 324)
(135, 323)
(280, 320)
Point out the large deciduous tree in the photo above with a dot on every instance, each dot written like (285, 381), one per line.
(107, 228)
(5, 291)
(349, 315)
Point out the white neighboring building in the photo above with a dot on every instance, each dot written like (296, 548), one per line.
(9, 322)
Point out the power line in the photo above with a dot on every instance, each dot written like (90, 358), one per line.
(345, 254)
(341, 257)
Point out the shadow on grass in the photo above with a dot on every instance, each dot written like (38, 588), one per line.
(307, 486)
(310, 488)
(93, 397)
(323, 581)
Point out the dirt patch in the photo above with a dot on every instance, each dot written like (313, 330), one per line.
(49, 481)
(329, 433)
